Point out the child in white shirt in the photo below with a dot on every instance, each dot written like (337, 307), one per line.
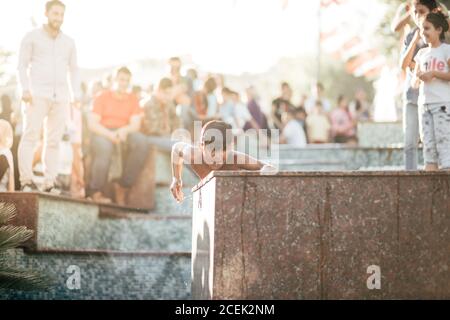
(433, 75)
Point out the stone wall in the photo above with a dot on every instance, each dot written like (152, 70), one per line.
(316, 235)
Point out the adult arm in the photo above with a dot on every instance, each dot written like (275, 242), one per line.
(74, 72)
(274, 116)
(25, 54)
(96, 127)
(401, 18)
(407, 57)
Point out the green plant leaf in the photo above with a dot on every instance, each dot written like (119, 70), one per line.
(11, 237)
(22, 280)
(7, 212)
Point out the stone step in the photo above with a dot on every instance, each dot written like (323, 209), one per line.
(105, 275)
(310, 165)
(371, 134)
(63, 224)
(351, 158)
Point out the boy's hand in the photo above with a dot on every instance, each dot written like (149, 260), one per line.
(268, 169)
(177, 190)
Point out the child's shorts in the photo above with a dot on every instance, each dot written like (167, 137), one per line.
(436, 134)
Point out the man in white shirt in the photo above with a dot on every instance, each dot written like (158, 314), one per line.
(46, 57)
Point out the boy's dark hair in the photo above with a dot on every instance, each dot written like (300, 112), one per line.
(210, 130)
(438, 20)
(165, 83)
(123, 70)
(210, 85)
(430, 4)
(50, 4)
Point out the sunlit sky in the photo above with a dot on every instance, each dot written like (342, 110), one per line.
(230, 36)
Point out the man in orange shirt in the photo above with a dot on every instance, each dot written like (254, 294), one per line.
(116, 119)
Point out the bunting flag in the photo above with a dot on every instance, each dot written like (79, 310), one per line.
(342, 30)
(327, 3)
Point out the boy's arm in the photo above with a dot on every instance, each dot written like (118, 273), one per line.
(180, 152)
(251, 164)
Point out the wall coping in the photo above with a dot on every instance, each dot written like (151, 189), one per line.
(324, 174)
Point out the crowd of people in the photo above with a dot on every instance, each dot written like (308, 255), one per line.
(315, 120)
(85, 136)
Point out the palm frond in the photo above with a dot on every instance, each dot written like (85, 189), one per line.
(7, 212)
(22, 280)
(11, 237)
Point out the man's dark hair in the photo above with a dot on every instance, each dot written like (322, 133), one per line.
(300, 109)
(285, 85)
(430, 4)
(175, 59)
(124, 70)
(438, 20)
(210, 130)
(210, 85)
(50, 4)
(165, 83)
(226, 90)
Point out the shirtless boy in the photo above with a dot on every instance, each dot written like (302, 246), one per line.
(215, 153)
